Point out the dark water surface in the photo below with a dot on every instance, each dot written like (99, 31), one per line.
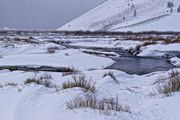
(140, 65)
(134, 64)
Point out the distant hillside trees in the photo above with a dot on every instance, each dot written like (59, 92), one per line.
(170, 4)
(171, 10)
(135, 13)
(178, 9)
(133, 6)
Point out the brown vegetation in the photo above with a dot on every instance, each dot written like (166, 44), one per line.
(82, 82)
(105, 105)
(172, 84)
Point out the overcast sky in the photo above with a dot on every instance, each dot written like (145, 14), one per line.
(41, 14)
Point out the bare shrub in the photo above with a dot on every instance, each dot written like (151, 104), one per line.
(149, 43)
(160, 80)
(72, 72)
(66, 54)
(154, 39)
(67, 73)
(52, 49)
(80, 81)
(105, 105)
(92, 69)
(8, 84)
(46, 76)
(172, 84)
(171, 40)
(24, 39)
(176, 40)
(11, 84)
(1, 86)
(110, 74)
(168, 41)
(43, 80)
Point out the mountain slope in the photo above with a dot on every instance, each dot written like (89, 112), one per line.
(119, 14)
(162, 23)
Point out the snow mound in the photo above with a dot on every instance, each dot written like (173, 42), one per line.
(175, 61)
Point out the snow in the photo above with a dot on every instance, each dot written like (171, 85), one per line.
(20, 101)
(175, 61)
(124, 44)
(158, 49)
(166, 23)
(138, 92)
(39, 57)
(117, 15)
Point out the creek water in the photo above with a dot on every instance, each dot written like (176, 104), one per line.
(135, 64)
(140, 65)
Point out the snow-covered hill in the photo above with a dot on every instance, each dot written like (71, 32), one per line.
(129, 15)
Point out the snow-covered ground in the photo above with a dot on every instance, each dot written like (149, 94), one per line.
(158, 49)
(166, 23)
(175, 61)
(38, 102)
(22, 101)
(129, 15)
(63, 58)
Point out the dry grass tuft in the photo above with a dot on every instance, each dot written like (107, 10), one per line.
(43, 80)
(146, 43)
(67, 73)
(82, 82)
(172, 84)
(73, 71)
(52, 49)
(46, 76)
(105, 105)
(11, 84)
(111, 74)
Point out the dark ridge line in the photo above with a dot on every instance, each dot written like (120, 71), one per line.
(88, 32)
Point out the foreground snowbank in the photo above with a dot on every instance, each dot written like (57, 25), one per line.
(36, 102)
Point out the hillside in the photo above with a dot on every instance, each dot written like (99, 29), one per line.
(129, 15)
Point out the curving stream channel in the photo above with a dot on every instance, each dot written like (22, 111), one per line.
(135, 64)
(126, 62)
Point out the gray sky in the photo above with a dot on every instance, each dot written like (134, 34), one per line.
(41, 14)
